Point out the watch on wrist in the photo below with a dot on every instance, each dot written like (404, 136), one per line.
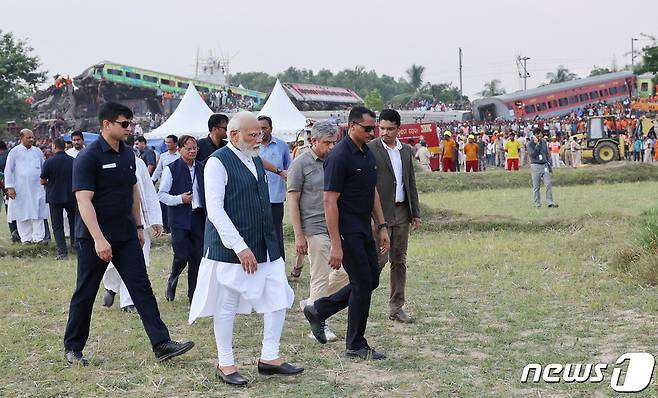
(382, 226)
(278, 171)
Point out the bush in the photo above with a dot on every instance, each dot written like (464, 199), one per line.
(639, 258)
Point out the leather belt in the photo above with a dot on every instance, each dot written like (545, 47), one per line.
(400, 203)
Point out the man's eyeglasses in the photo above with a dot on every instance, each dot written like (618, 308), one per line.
(256, 134)
(366, 128)
(125, 124)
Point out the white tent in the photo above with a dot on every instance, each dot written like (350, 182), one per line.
(287, 120)
(190, 117)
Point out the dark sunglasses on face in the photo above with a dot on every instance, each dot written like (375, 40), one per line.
(366, 128)
(125, 124)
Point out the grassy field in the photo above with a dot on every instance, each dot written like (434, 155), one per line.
(494, 283)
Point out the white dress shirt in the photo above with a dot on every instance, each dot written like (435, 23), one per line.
(166, 159)
(216, 179)
(72, 152)
(175, 200)
(396, 162)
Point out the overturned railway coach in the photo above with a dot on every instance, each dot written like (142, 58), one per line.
(556, 99)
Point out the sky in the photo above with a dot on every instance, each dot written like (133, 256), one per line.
(385, 36)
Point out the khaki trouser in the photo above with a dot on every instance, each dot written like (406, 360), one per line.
(324, 280)
(575, 158)
(398, 232)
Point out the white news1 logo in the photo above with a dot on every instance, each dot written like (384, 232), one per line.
(638, 373)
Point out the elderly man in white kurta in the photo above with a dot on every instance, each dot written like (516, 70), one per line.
(151, 217)
(242, 269)
(27, 197)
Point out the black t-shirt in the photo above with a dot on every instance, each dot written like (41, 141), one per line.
(58, 170)
(353, 173)
(148, 156)
(206, 148)
(111, 176)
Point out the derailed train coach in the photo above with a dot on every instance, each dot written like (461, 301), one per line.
(557, 99)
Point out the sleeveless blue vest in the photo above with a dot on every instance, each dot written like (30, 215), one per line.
(180, 216)
(247, 203)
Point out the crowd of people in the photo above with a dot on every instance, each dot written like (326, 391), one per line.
(352, 202)
(222, 200)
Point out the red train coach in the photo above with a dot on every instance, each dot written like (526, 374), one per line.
(556, 99)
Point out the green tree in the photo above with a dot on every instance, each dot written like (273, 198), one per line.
(649, 60)
(19, 76)
(374, 100)
(492, 88)
(258, 81)
(562, 74)
(415, 74)
(597, 71)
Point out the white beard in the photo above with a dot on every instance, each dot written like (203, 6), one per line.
(248, 151)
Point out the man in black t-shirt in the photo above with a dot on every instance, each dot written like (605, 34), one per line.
(216, 137)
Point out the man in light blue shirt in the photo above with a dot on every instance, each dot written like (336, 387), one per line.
(277, 153)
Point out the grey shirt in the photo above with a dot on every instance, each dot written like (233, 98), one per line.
(306, 175)
(538, 152)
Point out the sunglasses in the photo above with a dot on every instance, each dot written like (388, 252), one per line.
(366, 128)
(125, 124)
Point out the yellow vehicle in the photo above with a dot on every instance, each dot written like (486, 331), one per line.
(601, 144)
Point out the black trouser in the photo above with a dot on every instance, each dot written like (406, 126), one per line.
(188, 250)
(128, 259)
(277, 219)
(360, 263)
(57, 217)
(13, 230)
(165, 216)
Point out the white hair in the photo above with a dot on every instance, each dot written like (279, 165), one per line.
(237, 119)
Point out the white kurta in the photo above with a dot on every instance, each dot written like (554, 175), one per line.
(151, 215)
(22, 173)
(264, 291)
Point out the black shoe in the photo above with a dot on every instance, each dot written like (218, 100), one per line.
(317, 325)
(285, 369)
(76, 358)
(170, 294)
(365, 353)
(108, 298)
(234, 379)
(170, 349)
(553, 206)
(129, 308)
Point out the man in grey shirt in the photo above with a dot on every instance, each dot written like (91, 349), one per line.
(540, 168)
(305, 201)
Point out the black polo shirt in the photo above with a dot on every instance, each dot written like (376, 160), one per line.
(352, 172)
(111, 176)
(58, 170)
(206, 148)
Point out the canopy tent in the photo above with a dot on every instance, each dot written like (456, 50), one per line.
(190, 117)
(287, 120)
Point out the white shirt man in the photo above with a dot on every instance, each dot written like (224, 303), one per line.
(236, 276)
(151, 218)
(27, 203)
(396, 162)
(166, 158)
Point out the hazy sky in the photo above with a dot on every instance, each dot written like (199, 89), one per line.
(387, 36)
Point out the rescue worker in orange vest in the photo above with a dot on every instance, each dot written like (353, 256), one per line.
(448, 153)
(471, 154)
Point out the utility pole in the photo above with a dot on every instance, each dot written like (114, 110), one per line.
(523, 70)
(461, 86)
(633, 40)
(196, 68)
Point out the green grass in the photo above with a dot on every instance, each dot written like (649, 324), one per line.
(495, 285)
(495, 178)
